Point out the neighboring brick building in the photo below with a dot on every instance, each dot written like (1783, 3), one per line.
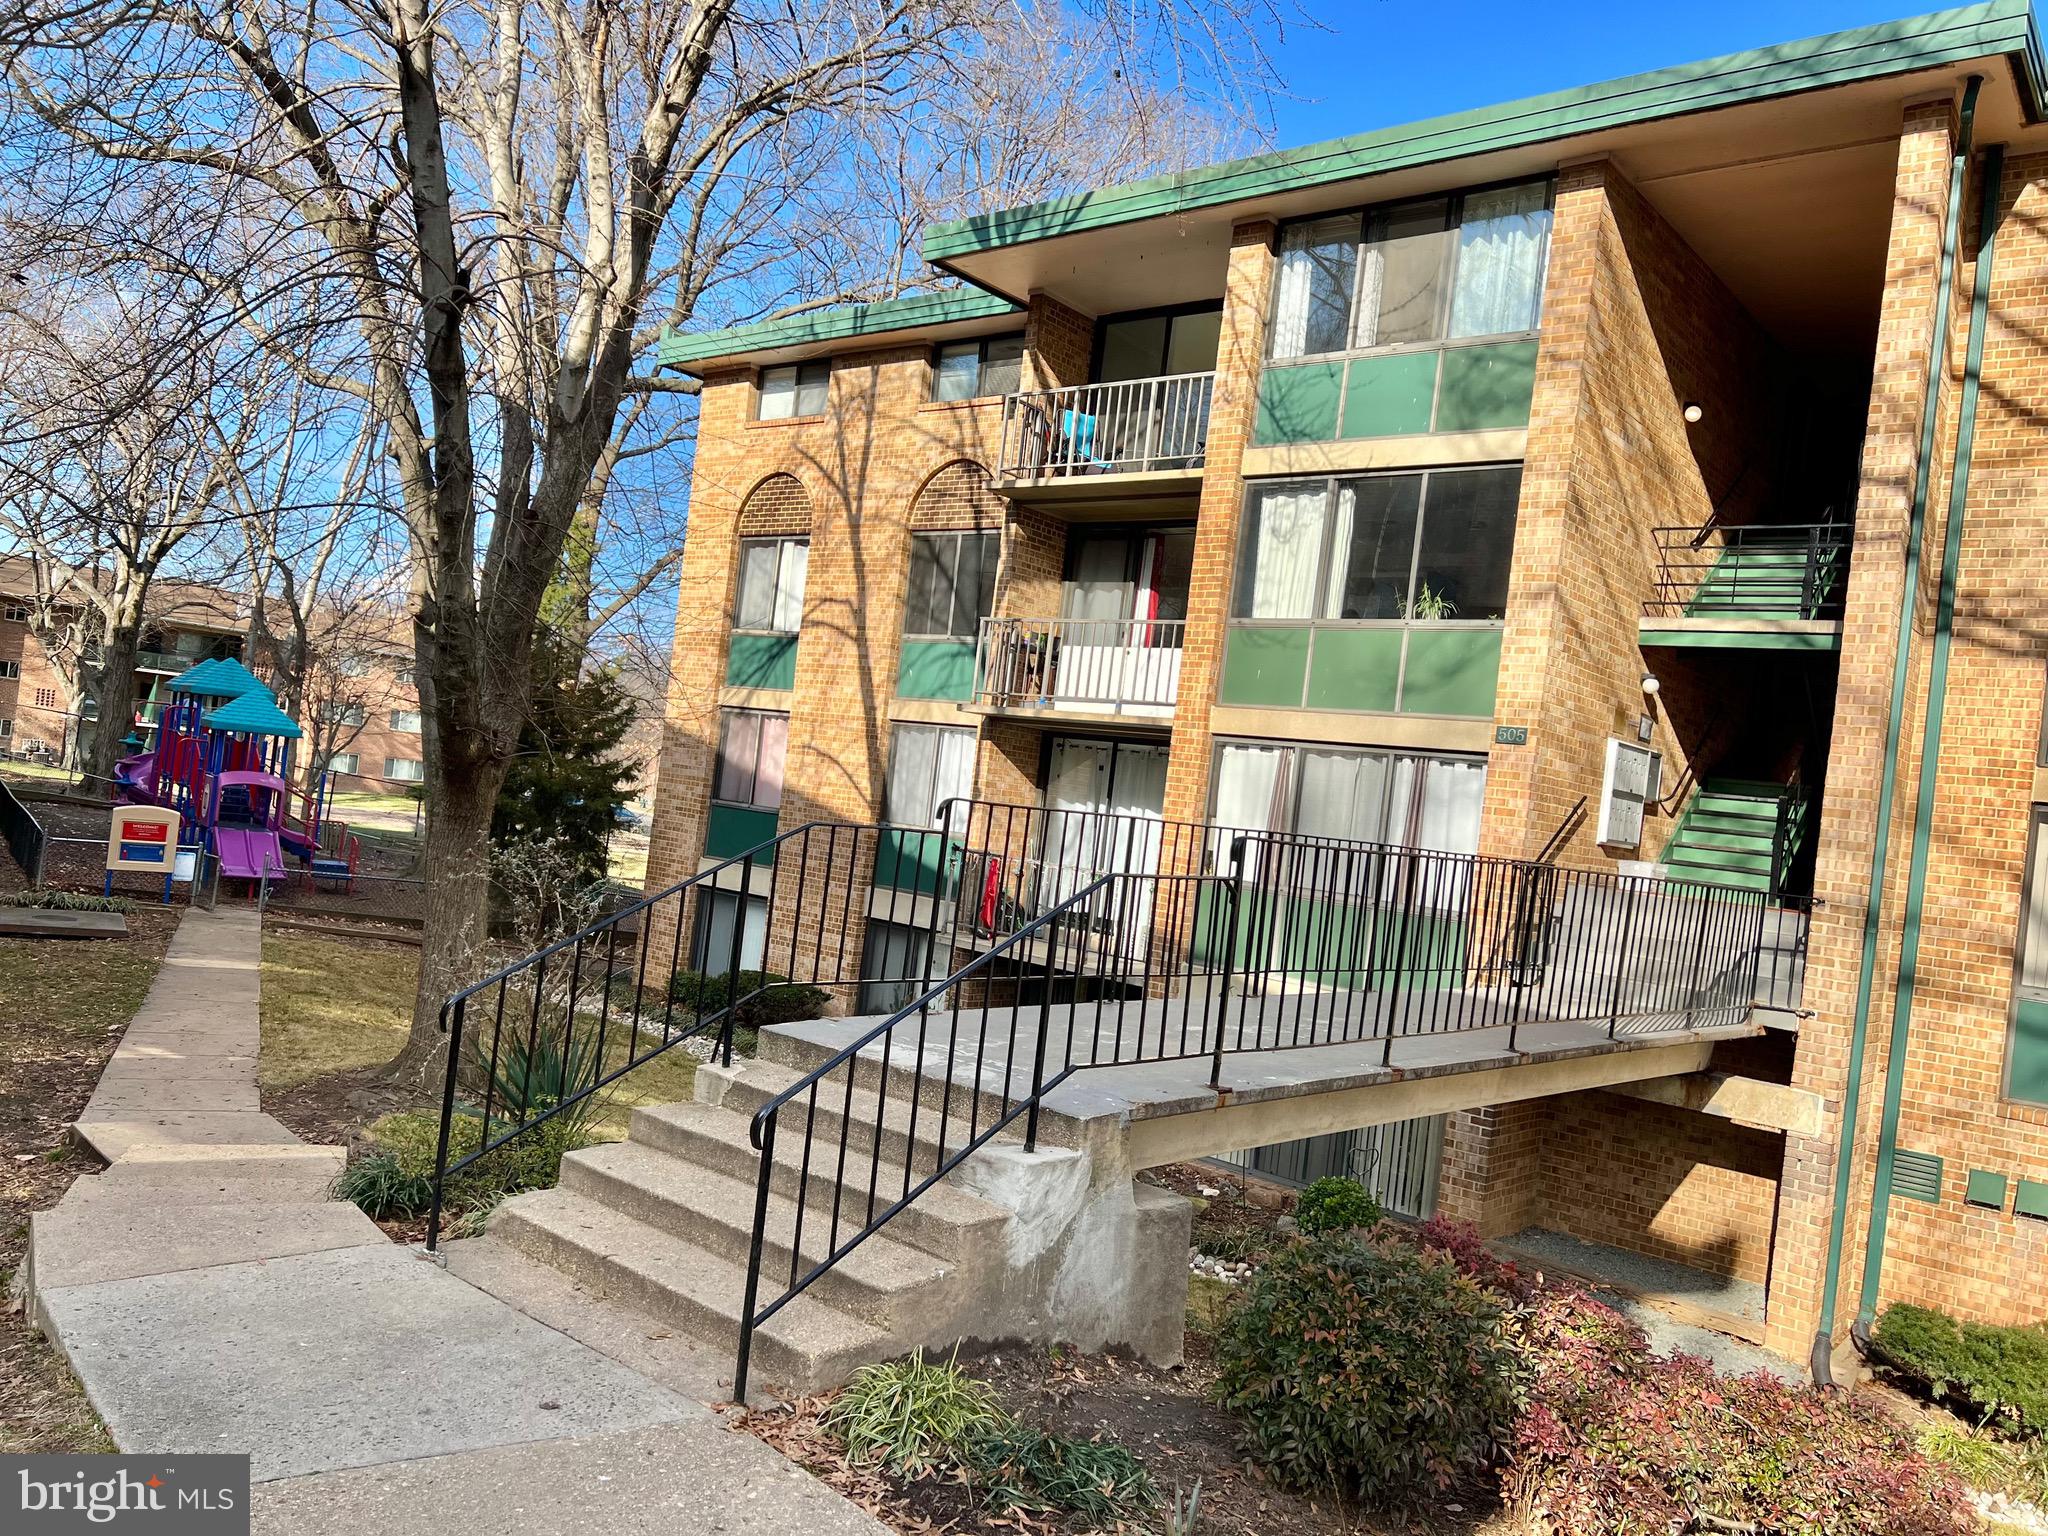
(1412, 489)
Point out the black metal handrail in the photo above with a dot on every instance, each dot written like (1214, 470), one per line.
(568, 1020)
(24, 835)
(1300, 944)
(1751, 570)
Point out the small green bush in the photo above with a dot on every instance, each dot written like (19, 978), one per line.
(525, 1077)
(1996, 1466)
(1999, 1374)
(396, 1178)
(911, 1416)
(67, 901)
(1022, 1470)
(1367, 1366)
(1336, 1205)
(766, 997)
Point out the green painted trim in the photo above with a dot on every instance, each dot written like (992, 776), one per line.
(1738, 640)
(685, 349)
(1864, 53)
(1353, 669)
(936, 669)
(761, 661)
(1992, 189)
(1985, 1189)
(1450, 671)
(733, 829)
(1880, 845)
(1915, 1176)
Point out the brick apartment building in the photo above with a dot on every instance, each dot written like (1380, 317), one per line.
(369, 688)
(1642, 477)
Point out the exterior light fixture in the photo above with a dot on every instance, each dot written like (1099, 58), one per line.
(1694, 410)
(1651, 687)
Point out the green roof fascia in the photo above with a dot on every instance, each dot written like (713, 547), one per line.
(1837, 58)
(681, 349)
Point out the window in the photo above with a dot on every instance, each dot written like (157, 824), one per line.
(405, 720)
(9, 669)
(772, 584)
(46, 698)
(1432, 270)
(404, 677)
(971, 370)
(952, 584)
(928, 765)
(14, 613)
(894, 963)
(752, 745)
(344, 762)
(350, 714)
(1413, 547)
(2026, 1067)
(1157, 345)
(352, 665)
(797, 389)
(6, 729)
(711, 944)
(408, 770)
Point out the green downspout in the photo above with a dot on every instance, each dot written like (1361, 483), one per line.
(1930, 743)
(1859, 1036)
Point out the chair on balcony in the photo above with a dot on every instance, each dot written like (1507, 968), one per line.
(1077, 445)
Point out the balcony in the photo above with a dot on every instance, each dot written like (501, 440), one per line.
(1128, 667)
(1775, 586)
(1105, 443)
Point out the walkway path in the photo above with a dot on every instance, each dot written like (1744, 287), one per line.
(211, 1298)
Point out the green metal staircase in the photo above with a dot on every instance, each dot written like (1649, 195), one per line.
(1738, 833)
(1773, 572)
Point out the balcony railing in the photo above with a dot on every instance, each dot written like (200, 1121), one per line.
(1137, 426)
(1119, 666)
(1761, 571)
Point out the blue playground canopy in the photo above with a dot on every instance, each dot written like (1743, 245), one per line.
(218, 678)
(253, 714)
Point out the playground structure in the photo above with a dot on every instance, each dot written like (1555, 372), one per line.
(222, 759)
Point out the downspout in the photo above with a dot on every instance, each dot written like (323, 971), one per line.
(1859, 1035)
(1930, 745)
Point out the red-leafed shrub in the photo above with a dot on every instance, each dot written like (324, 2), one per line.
(1615, 1441)
(1460, 1242)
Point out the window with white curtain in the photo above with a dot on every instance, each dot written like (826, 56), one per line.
(753, 746)
(1452, 267)
(928, 765)
(711, 945)
(772, 585)
(1405, 798)
(1411, 546)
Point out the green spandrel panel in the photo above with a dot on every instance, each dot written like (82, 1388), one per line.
(1451, 671)
(1986, 1189)
(936, 669)
(1264, 666)
(761, 661)
(911, 860)
(1298, 404)
(1388, 396)
(1486, 387)
(733, 829)
(2028, 1079)
(1355, 669)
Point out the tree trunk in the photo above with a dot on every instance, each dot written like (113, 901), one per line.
(457, 872)
(112, 687)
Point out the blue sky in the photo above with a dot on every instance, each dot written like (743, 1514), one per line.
(1390, 61)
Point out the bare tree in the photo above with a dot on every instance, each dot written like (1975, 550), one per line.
(502, 188)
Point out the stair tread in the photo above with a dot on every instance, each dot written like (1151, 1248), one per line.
(942, 1202)
(764, 1079)
(880, 1263)
(674, 1264)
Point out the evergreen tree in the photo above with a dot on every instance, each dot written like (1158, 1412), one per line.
(569, 780)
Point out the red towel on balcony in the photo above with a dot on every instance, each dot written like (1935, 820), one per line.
(991, 883)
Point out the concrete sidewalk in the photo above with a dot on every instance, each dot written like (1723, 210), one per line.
(211, 1298)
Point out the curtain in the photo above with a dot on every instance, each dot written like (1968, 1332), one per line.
(1340, 550)
(739, 749)
(789, 585)
(1288, 552)
(1453, 795)
(774, 751)
(757, 586)
(1312, 289)
(912, 750)
(953, 774)
(1501, 247)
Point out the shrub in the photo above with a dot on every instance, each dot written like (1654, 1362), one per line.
(529, 1076)
(1616, 1440)
(67, 901)
(1028, 1471)
(396, 1177)
(1367, 1366)
(1996, 1466)
(1461, 1244)
(2001, 1374)
(911, 1416)
(1335, 1205)
(765, 997)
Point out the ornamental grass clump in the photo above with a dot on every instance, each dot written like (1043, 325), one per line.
(1367, 1367)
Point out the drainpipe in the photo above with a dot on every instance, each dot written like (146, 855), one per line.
(1930, 747)
(1859, 1036)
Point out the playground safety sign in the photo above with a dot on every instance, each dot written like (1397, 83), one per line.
(142, 840)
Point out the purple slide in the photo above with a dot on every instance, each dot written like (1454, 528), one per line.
(249, 853)
(135, 777)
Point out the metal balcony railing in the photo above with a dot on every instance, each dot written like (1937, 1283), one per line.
(1133, 427)
(1124, 666)
(1763, 571)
